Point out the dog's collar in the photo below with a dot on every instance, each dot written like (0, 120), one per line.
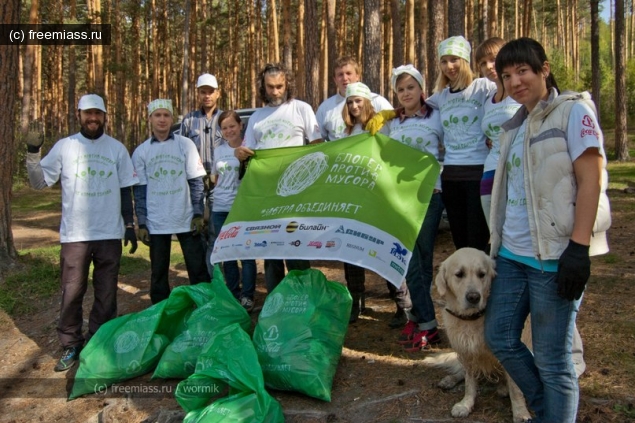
(474, 316)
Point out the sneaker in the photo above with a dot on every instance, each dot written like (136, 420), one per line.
(247, 303)
(399, 319)
(408, 333)
(422, 340)
(70, 356)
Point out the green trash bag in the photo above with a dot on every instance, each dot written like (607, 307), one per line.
(183, 300)
(228, 360)
(300, 333)
(123, 348)
(220, 310)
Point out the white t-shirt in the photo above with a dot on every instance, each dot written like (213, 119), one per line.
(494, 115)
(92, 172)
(580, 136)
(165, 167)
(418, 132)
(286, 125)
(329, 115)
(226, 166)
(461, 115)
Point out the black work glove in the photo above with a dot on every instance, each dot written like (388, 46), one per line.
(131, 237)
(144, 235)
(574, 269)
(34, 137)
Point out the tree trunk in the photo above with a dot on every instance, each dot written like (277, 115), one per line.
(331, 45)
(27, 68)
(456, 17)
(10, 14)
(492, 18)
(527, 12)
(252, 54)
(70, 91)
(186, 60)
(397, 35)
(94, 9)
(596, 82)
(274, 49)
(621, 145)
(436, 21)
(300, 77)
(312, 54)
(287, 55)
(410, 31)
(372, 45)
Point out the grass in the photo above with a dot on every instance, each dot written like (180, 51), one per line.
(37, 277)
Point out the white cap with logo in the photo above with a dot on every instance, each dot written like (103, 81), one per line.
(207, 80)
(91, 101)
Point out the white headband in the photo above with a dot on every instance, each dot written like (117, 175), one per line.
(410, 70)
(357, 89)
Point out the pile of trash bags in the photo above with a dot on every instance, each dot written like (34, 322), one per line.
(201, 334)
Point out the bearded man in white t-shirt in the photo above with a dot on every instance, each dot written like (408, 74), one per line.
(283, 122)
(96, 174)
(169, 200)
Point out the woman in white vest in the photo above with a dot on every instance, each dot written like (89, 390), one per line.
(549, 214)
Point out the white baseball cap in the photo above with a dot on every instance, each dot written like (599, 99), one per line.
(207, 80)
(91, 101)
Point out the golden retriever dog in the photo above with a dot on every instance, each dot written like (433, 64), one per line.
(464, 281)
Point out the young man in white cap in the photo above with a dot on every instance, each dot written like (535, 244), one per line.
(169, 200)
(201, 126)
(96, 174)
(283, 122)
(332, 127)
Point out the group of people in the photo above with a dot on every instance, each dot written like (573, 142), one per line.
(523, 178)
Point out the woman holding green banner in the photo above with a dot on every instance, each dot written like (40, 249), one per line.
(225, 169)
(419, 127)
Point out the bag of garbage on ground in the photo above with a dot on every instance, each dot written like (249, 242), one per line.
(220, 310)
(228, 365)
(123, 348)
(132, 345)
(300, 333)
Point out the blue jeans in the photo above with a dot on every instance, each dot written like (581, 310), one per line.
(230, 268)
(547, 378)
(419, 276)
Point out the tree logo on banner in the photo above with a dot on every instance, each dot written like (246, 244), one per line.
(302, 173)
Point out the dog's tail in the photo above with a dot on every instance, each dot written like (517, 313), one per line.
(447, 360)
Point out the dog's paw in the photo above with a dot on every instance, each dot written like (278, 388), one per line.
(521, 417)
(448, 382)
(461, 410)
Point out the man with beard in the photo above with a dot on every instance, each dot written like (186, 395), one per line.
(283, 122)
(96, 174)
(169, 200)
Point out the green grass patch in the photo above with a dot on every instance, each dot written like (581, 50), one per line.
(27, 200)
(621, 175)
(611, 258)
(37, 277)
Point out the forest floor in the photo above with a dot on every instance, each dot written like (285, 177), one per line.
(376, 380)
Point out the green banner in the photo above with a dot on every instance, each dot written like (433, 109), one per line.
(360, 200)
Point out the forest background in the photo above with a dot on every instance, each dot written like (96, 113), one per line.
(159, 47)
